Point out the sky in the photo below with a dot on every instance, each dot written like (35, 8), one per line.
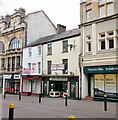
(65, 12)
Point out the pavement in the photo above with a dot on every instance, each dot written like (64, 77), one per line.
(29, 107)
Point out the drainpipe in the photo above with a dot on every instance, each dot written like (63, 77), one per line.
(80, 77)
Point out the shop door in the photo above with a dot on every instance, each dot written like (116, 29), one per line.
(45, 88)
(73, 89)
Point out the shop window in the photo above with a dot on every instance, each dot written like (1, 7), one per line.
(111, 43)
(49, 48)
(49, 63)
(65, 46)
(65, 62)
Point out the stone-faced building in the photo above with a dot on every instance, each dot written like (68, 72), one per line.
(99, 32)
(12, 39)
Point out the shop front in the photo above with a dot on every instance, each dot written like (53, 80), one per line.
(102, 80)
(57, 86)
(12, 83)
(31, 85)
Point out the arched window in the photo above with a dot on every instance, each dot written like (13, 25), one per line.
(14, 44)
(1, 46)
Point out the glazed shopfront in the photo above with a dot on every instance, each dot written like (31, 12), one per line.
(57, 86)
(11, 83)
(101, 80)
(31, 84)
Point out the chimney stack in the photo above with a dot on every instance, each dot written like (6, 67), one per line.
(60, 28)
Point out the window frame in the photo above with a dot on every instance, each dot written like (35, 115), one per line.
(65, 46)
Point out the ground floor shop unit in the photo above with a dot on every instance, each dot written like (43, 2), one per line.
(100, 80)
(51, 86)
(57, 86)
(31, 85)
(10, 83)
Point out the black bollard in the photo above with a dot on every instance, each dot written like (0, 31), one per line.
(19, 95)
(66, 97)
(4, 94)
(40, 95)
(105, 102)
(11, 111)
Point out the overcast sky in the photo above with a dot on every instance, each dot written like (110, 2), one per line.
(65, 12)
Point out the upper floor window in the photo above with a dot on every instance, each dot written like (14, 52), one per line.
(39, 50)
(89, 46)
(30, 52)
(111, 43)
(102, 11)
(65, 46)
(1, 46)
(14, 44)
(2, 62)
(39, 67)
(89, 6)
(18, 62)
(13, 63)
(49, 63)
(89, 12)
(9, 64)
(89, 15)
(102, 44)
(101, 2)
(110, 9)
(29, 65)
(65, 62)
(49, 48)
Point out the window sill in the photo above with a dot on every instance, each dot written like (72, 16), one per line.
(49, 54)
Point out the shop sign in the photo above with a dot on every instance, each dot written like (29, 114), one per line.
(27, 71)
(16, 76)
(58, 79)
(101, 69)
(33, 67)
(55, 67)
(7, 76)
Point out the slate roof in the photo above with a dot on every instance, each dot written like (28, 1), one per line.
(56, 37)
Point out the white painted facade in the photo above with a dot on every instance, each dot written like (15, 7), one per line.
(34, 58)
(32, 85)
(38, 25)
